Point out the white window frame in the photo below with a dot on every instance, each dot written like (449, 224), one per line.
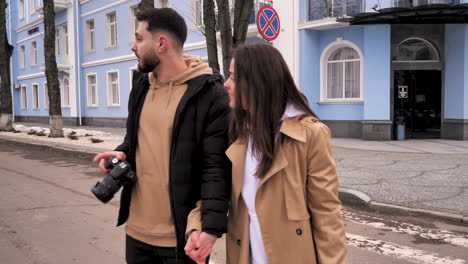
(22, 57)
(419, 61)
(65, 47)
(57, 41)
(90, 36)
(32, 6)
(21, 9)
(131, 69)
(109, 27)
(62, 92)
(197, 13)
(327, 52)
(33, 53)
(46, 96)
(163, 3)
(24, 97)
(35, 96)
(88, 90)
(133, 22)
(109, 88)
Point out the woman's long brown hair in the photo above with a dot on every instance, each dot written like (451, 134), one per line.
(264, 86)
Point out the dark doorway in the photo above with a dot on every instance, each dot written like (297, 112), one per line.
(417, 102)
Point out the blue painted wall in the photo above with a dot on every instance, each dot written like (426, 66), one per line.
(456, 79)
(377, 65)
(312, 45)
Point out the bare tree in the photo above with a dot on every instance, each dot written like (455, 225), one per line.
(55, 110)
(209, 20)
(6, 105)
(231, 37)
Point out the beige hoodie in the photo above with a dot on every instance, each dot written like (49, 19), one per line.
(150, 218)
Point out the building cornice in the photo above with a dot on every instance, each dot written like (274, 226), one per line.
(108, 61)
(104, 8)
(30, 76)
(28, 38)
(31, 24)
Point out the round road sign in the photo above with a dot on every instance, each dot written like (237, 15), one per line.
(268, 23)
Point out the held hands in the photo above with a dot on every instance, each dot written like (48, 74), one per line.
(103, 157)
(199, 246)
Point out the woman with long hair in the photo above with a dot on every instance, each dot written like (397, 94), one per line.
(284, 201)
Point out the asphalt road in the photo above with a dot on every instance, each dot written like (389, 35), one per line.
(48, 215)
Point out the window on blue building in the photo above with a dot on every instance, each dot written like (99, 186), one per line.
(133, 21)
(66, 93)
(90, 35)
(33, 53)
(22, 57)
(46, 96)
(113, 97)
(111, 30)
(35, 94)
(21, 9)
(92, 90)
(341, 72)
(24, 97)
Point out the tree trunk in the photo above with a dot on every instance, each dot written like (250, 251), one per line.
(242, 11)
(145, 4)
(224, 19)
(209, 20)
(55, 110)
(6, 105)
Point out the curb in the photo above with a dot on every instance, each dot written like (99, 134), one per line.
(354, 198)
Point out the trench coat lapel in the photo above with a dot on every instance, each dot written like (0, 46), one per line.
(236, 153)
(293, 129)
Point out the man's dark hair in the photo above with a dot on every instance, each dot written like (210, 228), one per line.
(166, 19)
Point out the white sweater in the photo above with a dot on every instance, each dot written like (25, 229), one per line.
(249, 190)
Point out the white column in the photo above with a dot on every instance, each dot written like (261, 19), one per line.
(288, 40)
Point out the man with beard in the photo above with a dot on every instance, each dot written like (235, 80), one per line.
(176, 138)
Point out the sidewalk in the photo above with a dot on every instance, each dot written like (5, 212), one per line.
(421, 176)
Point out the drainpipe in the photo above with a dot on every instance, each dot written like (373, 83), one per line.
(12, 83)
(78, 61)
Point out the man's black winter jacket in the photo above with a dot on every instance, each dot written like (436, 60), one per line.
(198, 169)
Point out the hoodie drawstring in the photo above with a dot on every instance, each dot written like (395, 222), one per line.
(170, 94)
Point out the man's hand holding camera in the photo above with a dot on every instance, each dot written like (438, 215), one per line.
(103, 157)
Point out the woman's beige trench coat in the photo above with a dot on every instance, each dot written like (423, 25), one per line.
(297, 200)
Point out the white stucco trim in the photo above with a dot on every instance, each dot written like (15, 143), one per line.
(327, 23)
(327, 52)
(30, 76)
(84, 1)
(296, 42)
(104, 8)
(32, 24)
(28, 38)
(62, 93)
(72, 56)
(195, 45)
(109, 61)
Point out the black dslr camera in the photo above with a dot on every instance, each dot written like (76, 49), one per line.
(120, 174)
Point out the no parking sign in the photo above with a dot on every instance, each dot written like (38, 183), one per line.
(268, 23)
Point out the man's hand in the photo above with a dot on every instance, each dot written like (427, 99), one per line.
(199, 246)
(103, 157)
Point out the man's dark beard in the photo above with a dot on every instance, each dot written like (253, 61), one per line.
(147, 67)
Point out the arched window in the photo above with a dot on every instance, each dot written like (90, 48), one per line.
(66, 93)
(341, 72)
(416, 50)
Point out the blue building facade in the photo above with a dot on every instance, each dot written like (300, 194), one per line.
(367, 67)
